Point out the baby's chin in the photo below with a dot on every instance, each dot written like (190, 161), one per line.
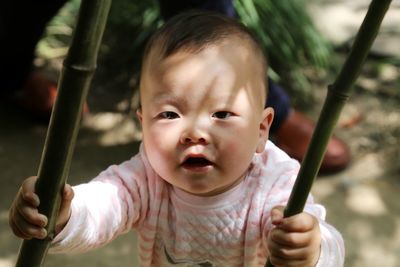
(198, 191)
(209, 192)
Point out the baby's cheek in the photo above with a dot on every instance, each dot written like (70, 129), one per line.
(237, 158)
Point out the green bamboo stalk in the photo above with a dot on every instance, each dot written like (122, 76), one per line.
(74, 83)
(337, 95)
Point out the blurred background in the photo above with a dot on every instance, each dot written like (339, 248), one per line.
(306, 42)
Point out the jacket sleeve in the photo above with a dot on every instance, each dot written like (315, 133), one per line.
(332, 247)
(111, 204)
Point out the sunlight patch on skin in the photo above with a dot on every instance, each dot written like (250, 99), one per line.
(365, 200)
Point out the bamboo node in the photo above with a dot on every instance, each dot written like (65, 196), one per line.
(80, 68)
(337, 93)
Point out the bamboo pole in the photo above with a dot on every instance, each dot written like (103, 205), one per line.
(337, 95)
(74, 83)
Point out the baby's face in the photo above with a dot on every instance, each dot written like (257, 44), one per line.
(203, 117)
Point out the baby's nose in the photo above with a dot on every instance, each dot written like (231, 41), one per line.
(194, 136)
(194, 140)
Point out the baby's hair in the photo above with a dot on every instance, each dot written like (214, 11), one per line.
(195, 30)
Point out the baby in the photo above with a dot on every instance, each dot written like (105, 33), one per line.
(207, 188)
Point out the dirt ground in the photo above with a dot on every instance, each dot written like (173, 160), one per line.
(362, 201)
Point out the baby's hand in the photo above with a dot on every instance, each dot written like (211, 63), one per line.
(25, 220)
(295, 241)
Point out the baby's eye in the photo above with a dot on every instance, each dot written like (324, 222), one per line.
(222, 114)
(169, 115)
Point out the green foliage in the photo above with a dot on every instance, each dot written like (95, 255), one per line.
(58, 33)
(138, 19)
(130, 24)
(286, 31)
(289, 37)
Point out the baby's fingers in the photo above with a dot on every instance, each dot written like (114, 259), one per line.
(291, 249)
(31, 215)
(25, 205)
(288, 253)
(27, 191)
(278, 261)
(68, 195)
(65, 208)
(24, 229)
(301, 222)
(287, 256)
(290, 239)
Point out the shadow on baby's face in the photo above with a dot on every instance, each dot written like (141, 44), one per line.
(203, 115)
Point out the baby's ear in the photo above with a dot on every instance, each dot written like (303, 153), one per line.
(265, 125)
(139, 115)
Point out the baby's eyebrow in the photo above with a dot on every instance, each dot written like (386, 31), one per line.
(168, 98)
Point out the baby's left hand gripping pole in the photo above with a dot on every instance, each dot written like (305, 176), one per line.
(337, 96)
(74, 83)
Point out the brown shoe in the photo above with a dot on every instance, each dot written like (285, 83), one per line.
(39, 94)
(294, 136)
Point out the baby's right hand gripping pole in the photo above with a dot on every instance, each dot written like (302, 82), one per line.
(338, 93)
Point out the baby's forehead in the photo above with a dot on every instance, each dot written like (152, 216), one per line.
(230, 61)
(159, 53)
(218, 64)
(220, 61)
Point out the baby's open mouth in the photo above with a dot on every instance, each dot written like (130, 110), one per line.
(196, 162)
